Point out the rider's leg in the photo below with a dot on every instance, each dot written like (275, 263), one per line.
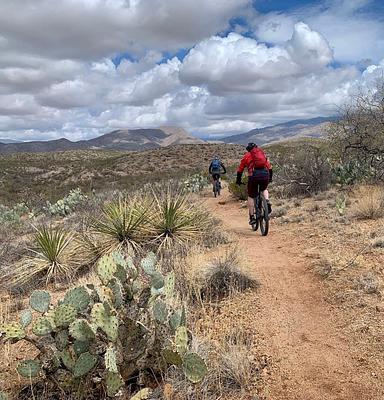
(251, 207)
(266, 194)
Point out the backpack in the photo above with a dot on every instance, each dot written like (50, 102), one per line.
(259, 160)
(216, 165)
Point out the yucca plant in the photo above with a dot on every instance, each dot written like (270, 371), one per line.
(175, 221)
(52, 258)
(122, 224)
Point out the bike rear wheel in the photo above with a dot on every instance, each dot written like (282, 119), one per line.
(264, 216)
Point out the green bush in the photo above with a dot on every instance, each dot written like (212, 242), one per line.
(240, 192)
(98, 337)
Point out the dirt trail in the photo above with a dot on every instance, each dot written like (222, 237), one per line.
(311, 358)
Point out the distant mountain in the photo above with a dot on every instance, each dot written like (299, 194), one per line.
(6, 140)
(123, 139)
(314, 127)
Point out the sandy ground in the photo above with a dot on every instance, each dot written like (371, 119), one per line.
(311, 357)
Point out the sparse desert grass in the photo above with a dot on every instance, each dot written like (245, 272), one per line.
(368, 283)
(279, 212)
(225, 277)
(370, 202)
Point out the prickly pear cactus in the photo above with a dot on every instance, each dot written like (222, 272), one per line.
(113, 383)
(106, 268)
(194, 367)
(110, 360)
(81, 330)
(84, 364)
(181, 339)
(40, 300)
(98, 334)
(64, 315)
(29, 368)
(42, 327)
(78, 297)
(25, 318)
(13, 331)
(160, 311)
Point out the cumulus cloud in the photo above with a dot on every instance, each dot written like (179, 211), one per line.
(354, 31)
(80, 68)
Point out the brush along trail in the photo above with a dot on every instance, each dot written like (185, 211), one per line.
(300, 333)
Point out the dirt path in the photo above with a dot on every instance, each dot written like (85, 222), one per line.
(311, 358)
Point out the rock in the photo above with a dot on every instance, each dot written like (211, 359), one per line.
(380, 307)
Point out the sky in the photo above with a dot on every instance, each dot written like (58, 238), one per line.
(82, 68)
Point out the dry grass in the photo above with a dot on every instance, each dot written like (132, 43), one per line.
(370, 203)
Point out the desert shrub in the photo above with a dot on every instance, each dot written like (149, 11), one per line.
(370, 203)
(175, 221)
(279, 212)
(15, 214)
(96, 339)
(304, 170)
(341, 205)
(223, 277)
(357, 136)
(67, 204)
(195, 183)
(122, 224)
(51, 259)
(239, 191)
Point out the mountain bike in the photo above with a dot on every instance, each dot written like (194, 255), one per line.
(216, 187)
(261, 216)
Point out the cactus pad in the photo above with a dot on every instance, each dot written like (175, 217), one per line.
(40, 300)
(178, 318)
(148, 264)
(29, 368)
(181, 339)
(80, 347)
(61, 339)
(105, 294)
(13, 331)
(81, 330)
(42, 326)
(64, 315)
(112, 328)
(157, 280)
(118, 292)
(84, 364)
(113, 382)
(67, 358)
(160, 311)
(25, 318)
(172, 357)
(110, 360)
(195, 368)
(169, 285)
(78, 297)
(106, 268)
(102, 318)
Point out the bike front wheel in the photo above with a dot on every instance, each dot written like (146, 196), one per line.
(264, 217)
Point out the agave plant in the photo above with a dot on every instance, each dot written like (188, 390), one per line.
(175, 221)
(122, 224)
(51, 257)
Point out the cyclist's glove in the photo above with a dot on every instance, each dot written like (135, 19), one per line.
(238, 178)
(270, 175)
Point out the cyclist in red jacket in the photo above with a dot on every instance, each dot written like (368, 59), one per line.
(259, 173)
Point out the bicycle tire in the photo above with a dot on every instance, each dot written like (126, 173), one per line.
(264, 216)
(255, 226)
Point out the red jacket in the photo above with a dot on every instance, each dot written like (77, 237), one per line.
(251, 157)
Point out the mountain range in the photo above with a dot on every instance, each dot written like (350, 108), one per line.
(145, 139)
(123, 140)
(314, 127)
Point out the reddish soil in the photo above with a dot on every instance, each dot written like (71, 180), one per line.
(312, 358)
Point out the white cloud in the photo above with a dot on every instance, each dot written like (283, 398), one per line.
(57, 77)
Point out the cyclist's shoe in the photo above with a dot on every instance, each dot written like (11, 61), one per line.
(252, 220)
(269, 207)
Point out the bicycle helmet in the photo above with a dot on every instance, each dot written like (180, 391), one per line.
(250, 146)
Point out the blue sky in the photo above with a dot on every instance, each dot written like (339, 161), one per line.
(213, 68)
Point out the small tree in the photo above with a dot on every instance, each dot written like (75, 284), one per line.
(357, 137)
